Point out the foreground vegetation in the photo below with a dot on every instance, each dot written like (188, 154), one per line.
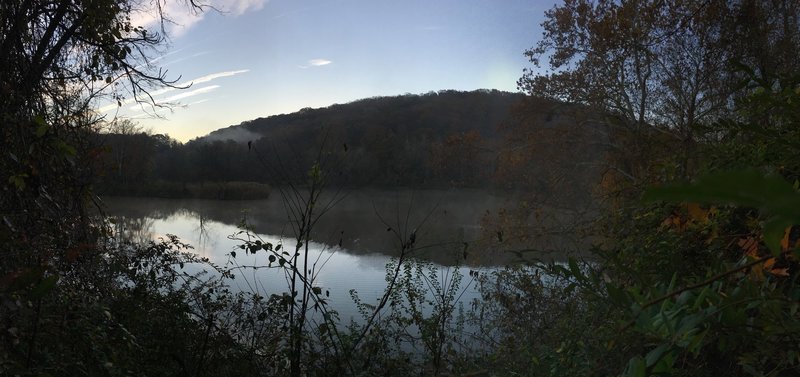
(694, 264)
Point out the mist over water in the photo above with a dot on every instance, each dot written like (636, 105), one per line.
(359, 222)
(353, 242)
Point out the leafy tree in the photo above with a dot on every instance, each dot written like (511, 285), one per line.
(56, 57)
(702, 278)
(657, 67)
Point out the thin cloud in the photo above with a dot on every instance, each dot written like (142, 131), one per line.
(179, 96)
(198, 102)
(239, 7)
(156, 93)
(316, 63)
(213, 76)
(319, 62)
(192, 93)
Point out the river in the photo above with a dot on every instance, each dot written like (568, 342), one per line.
(354, 240)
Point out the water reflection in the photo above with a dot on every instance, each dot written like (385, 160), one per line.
(354, 242)
(365, 222)
(134, 229)
(335, 269)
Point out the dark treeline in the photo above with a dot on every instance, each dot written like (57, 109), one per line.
(438, 139)
(139, 163)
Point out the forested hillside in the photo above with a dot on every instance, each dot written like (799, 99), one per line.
(442, 139)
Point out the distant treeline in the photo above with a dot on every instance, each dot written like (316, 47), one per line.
(446, 138)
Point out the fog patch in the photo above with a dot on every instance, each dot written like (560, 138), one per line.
(237, 134)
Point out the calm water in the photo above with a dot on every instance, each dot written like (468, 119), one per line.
(353, 241)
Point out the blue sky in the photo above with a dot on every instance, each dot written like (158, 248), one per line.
(262, 58)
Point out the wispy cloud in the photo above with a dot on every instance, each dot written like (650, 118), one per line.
(213, 76)
(316, 63)
(133, 110)
(198, 102)
(161, 92)
(190, 93)
(239, 7)
(319, 62)
(180, 17)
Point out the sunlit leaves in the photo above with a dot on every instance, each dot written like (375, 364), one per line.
(777, 199)
(690, 215)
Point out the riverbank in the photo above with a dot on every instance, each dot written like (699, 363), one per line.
(235, 190)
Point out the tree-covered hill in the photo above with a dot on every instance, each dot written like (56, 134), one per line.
(435, 114)
(447, 138)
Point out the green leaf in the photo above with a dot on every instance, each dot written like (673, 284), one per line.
(655, 354)
(774, 229)
(41, 129)
(65, 148)
(636, 367)
(574, 269)
(690, 322)
(617, 295)
(39, 120)
(18, 181)
(746, 188)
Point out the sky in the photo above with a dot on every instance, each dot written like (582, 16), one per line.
(257, 58)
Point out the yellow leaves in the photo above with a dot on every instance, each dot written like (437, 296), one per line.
(689, 215)
(672, 221)
(699, 221)
(697, 213)
(789, 240)
(775, 267)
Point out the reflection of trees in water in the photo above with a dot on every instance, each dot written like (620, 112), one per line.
(453, 219)
(157, 209)
(204, 230)
(133, 229)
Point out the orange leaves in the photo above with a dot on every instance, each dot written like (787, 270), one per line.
(673, 221)
(791, 238)
(688, 215)
(773, 266)
(750, 246)
(697, 213)
(691, 217)
(769, 266)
